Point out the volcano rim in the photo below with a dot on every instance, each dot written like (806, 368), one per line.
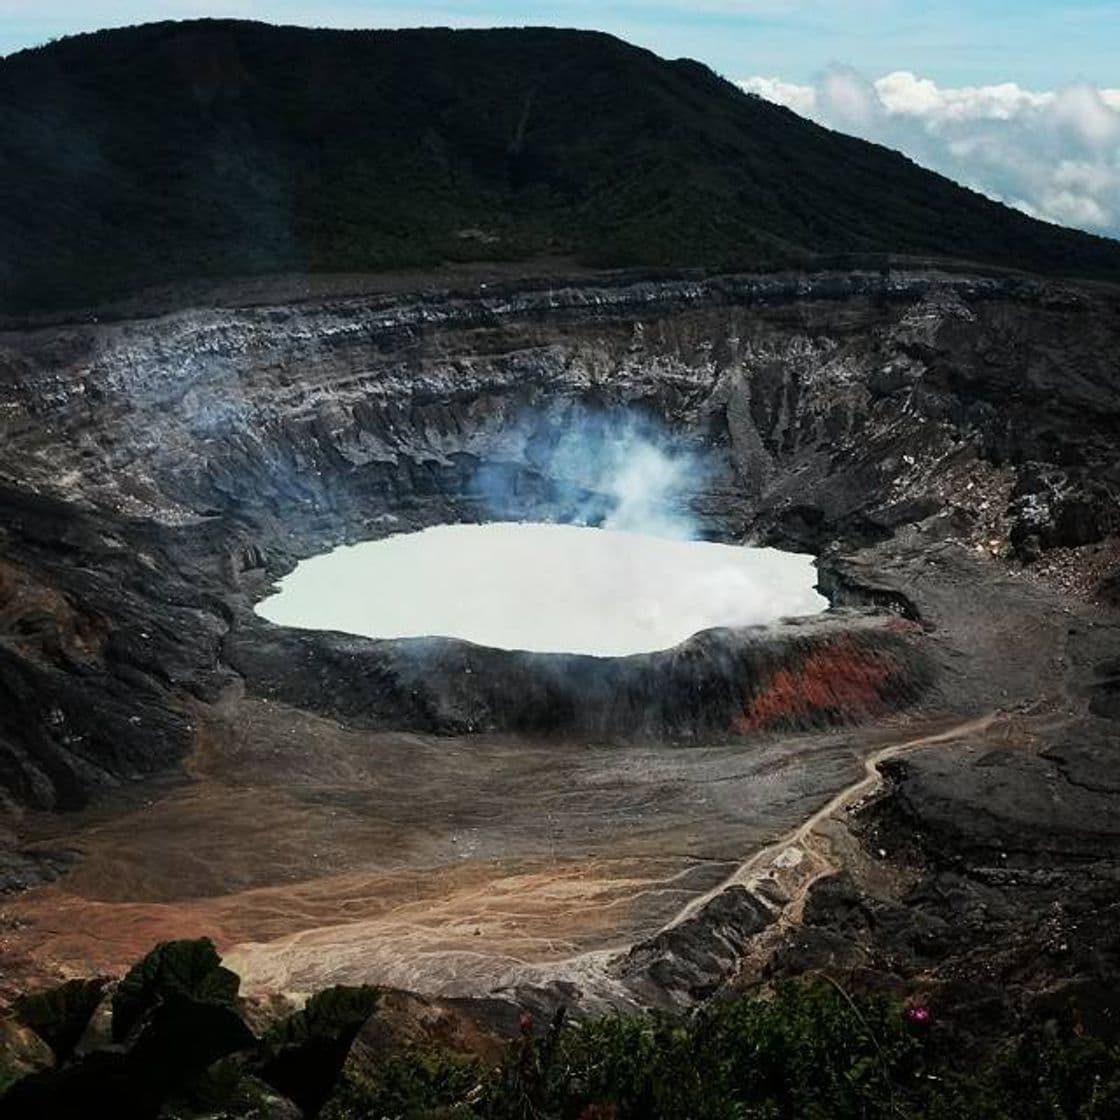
(701, 690)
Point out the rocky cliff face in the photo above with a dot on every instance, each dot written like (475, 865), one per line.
(839, 391)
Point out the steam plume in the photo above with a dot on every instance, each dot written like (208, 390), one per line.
(618, 472)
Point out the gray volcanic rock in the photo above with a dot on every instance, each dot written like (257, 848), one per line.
(1108, 590)
(157, 475)
(1006, 809)
(158, 472)
(1104, 697)
(986, 876)
(106, 637)
(1051, 509)
(1017, 891)
(711, 686)
(688, 962)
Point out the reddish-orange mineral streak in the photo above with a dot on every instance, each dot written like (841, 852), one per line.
(842, 680)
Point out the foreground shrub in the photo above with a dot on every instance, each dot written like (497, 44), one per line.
(180, 1045)
(806, 1051)
(59, 1016)
(308, 1049)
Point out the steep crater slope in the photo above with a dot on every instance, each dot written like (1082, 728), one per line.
(159, 474)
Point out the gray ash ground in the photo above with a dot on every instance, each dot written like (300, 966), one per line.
(464, 821)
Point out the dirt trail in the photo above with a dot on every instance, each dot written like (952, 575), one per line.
(794, 853)
(781, 875)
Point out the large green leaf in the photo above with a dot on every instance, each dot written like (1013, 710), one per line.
(98, 1085)
(310, 1047)
(191, 968)
(326, 1015)
(59, 1016)
(176, 1008)
(182, 1038)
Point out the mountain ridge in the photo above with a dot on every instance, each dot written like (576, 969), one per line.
(214, 149)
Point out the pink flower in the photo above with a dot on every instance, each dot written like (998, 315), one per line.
(918, 1015)
(526, 1023)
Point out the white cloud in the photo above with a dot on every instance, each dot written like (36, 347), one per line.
(801, 99)
(847, 98)
(1086, 114)
(1053, 154)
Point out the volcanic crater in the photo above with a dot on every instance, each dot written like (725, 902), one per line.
(463, 820)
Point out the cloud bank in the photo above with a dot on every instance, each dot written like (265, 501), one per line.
(1052, 154)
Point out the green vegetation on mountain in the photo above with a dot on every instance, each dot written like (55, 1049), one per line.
(174, 1045)
(213, 149)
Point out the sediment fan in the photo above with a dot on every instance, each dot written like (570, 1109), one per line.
(175, 151)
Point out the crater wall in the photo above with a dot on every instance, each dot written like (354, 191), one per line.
(156, 474)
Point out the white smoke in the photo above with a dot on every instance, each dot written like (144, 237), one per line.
(559, 587)
(639, 477)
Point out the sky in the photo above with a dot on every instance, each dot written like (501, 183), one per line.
(1019, 99)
